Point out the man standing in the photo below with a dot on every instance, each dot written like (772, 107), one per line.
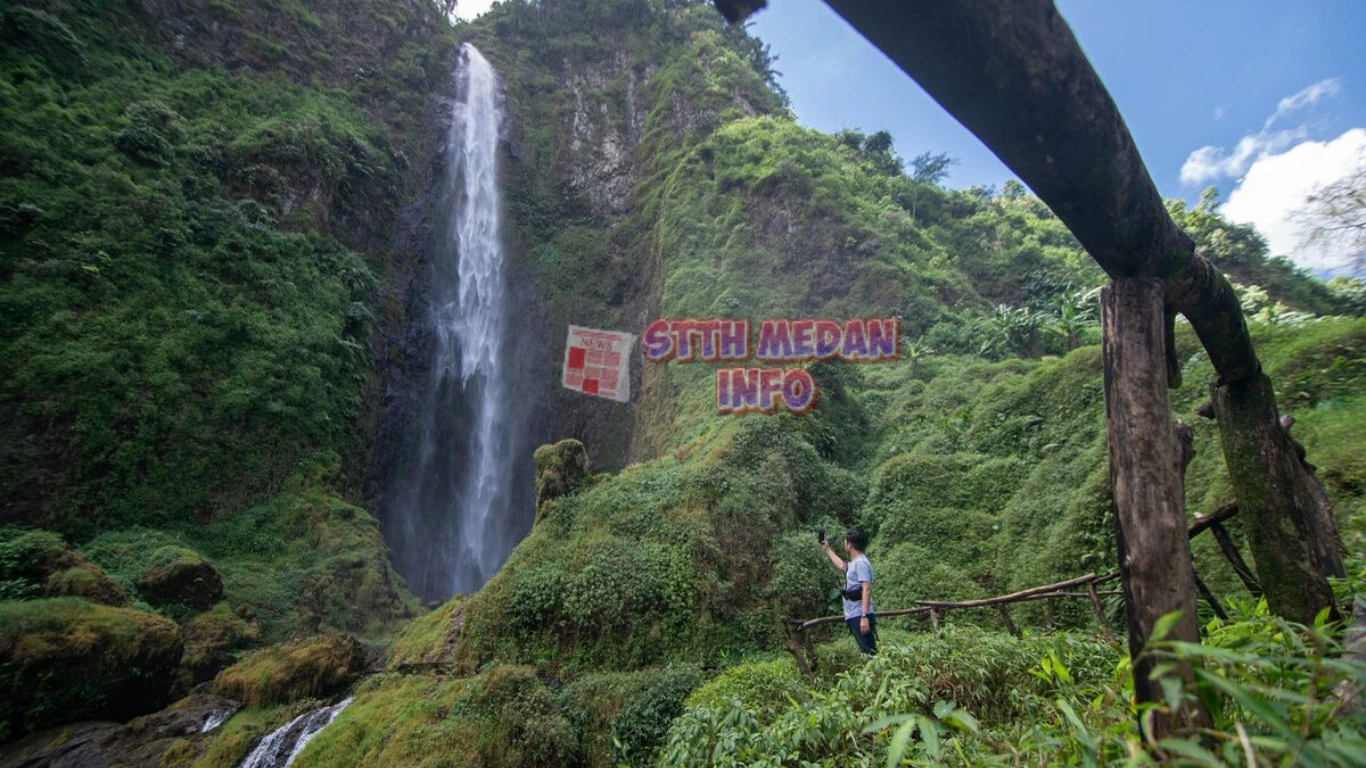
(858, 589)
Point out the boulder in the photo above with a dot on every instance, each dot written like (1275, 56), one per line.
(315, 667)
(179, 576)
(560, 468)
(68, 659)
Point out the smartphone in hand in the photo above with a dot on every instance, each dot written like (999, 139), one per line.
(820, 535)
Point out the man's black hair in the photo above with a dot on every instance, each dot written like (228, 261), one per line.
(857, 539)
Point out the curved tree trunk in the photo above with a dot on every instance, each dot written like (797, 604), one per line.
(1012, 72)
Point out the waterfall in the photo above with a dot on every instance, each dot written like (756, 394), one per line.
(215, 719)
(279, 748)
(454, 517)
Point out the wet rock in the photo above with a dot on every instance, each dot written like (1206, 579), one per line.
(144, 741)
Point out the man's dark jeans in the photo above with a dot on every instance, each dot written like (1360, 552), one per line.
(866, 643)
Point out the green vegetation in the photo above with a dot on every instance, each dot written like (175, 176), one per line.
(977, 698)
(38, 563)
(504, 718)
(198, 286)
(427, 639)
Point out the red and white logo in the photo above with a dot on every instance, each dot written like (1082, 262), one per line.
(598, 363)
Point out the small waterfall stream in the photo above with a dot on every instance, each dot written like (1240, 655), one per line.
(279, 749)
(452, 520)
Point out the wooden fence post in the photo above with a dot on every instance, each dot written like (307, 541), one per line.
(1145, 474)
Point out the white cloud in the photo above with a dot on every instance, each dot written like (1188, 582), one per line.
(1277, 185)
(1209, 162)
(1307, 97)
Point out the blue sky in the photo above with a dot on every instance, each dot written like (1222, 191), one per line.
(1257, 97)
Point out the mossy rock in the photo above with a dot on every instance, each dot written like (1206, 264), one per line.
(316, 667)
(209, 639)
(68, 659)
(560, 468)
(179, 576)
(35, 563)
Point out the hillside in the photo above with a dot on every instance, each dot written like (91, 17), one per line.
(216, 227)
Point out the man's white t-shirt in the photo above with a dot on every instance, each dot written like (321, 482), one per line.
(859, 570)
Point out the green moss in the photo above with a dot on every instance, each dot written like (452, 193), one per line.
(621, 718)
(232, 741)
(427, 639)
(310, 668)
(759, 686)
(68, 659)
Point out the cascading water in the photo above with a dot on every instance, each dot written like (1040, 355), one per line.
(453, 522)
(279, 748)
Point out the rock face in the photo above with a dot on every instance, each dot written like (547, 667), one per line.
(179, 576)
(604, 125)
(560, 468)
(314, 668)
(68, 659)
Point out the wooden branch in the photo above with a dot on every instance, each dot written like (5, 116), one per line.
(1100, 615)
(1214, 518)
(1005, 618)
(802, 626)
(1209, 597)
(1235, 559)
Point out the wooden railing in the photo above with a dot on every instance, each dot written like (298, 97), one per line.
(799, 642)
